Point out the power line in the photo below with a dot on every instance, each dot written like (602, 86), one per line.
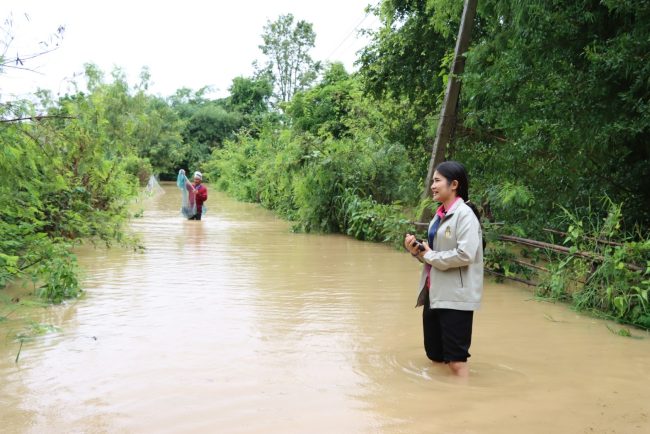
(348, 35)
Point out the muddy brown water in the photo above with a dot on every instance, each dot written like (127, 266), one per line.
(236, 325)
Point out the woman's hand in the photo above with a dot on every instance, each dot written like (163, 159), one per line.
(411, 245)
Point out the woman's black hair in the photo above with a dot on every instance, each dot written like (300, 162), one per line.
(454, 171)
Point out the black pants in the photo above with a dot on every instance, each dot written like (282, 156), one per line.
(196, 216)
(447, 333)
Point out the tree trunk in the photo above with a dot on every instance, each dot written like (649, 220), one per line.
(448, 110)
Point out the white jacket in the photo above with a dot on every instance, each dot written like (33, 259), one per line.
(455, 262)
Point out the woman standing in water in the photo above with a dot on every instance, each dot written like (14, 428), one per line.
(451, 284)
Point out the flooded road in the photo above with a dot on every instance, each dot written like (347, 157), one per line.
(236, 325)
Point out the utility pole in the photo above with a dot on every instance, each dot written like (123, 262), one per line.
(447, 119)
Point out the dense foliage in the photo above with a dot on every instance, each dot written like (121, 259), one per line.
(67, 176)
(332, 171)
(554, 98)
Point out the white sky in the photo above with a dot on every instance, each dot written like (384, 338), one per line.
(185, 44)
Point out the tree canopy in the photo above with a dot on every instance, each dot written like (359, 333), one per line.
(286, 46)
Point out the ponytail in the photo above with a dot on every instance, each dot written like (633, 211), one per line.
(470, 204)
(477, 213)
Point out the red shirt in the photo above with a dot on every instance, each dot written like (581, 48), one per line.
(201, 194)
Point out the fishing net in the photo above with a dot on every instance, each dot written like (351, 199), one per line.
(188, 201)
(153, 188)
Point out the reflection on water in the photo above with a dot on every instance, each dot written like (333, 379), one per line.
(233, 324)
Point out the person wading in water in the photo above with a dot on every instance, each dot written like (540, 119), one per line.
(451, 283)
(200, 195)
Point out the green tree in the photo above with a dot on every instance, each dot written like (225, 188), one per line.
(207, 129)
(557, 94)
(554, 93)
(287, 47)
(158, 135)
(185, 101)
(405, 67)
(64, 180)
(323, 109)
(250, 96)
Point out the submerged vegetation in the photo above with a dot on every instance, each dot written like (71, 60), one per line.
(552, 118)
(601, 274)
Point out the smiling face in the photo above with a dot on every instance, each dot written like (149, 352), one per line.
(197, 180)
(442, 189)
